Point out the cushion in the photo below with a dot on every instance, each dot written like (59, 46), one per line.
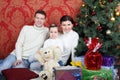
(19, 74)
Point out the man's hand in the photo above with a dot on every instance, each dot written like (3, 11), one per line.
(17, 62)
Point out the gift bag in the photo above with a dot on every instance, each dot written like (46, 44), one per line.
(93, 58)
(67, 73)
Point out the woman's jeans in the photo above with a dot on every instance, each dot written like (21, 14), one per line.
(10, 59)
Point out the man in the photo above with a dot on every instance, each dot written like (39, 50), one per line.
(30, 40)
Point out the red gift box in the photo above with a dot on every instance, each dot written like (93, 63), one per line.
(67, 73)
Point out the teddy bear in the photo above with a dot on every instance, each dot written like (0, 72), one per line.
(49, 58)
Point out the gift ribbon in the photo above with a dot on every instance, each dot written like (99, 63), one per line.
(77, 63)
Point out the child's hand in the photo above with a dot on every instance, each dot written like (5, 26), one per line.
(17, 62)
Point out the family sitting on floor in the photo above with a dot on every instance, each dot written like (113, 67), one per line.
(33, 38)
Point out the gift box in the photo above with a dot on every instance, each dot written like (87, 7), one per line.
(108, 61)
(80, 58)
(102, 74)
(67, 73)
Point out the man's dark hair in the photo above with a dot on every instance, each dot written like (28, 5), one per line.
(40, 12)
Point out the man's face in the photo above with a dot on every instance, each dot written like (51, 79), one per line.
(39, 20)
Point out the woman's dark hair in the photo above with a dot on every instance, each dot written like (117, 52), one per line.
(66, 18)
(40, 12)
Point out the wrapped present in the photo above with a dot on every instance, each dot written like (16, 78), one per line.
(80, 58)
(102, 74)
(93, 58)
(67, 73)
(108, 61)
(78, 61)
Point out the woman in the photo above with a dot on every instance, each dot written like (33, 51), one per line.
(69, 38)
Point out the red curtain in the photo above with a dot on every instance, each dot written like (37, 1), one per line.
(16, 13)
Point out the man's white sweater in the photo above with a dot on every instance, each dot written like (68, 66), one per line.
(30, 39)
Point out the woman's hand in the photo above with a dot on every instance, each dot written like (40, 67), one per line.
(17, 62)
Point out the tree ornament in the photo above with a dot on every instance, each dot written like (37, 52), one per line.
(86, 15)
(110, 0)
(103, 2)
(93, 13)
(108, 32)
(117, 13)
(75, 24)
(83, 5)
(101, 5)
(116, 10)
(112, 19)
(94, 7)
(99, 28)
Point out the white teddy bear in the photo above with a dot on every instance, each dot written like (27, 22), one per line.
(49, 58)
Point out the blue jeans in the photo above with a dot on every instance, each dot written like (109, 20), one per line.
(60, 63)
(10, 59)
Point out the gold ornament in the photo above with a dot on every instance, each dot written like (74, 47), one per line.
(116, 10)
(112, 19)
(108, 32)
(83, 5)
(86, 15)
(117, 13)
(103, 2)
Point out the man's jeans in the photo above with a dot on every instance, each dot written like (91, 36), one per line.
(10, 59)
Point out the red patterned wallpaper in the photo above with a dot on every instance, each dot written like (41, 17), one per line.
(16, 13)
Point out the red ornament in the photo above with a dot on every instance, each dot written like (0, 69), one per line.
(75, 24)
(93, 59)
(99, 28)
(110, 0)
(93, 13)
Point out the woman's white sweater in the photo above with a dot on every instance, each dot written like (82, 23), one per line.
(70, 41)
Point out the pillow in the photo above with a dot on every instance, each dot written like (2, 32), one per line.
(19, 74)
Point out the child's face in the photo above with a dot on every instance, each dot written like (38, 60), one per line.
(53, 32)
(66, 26)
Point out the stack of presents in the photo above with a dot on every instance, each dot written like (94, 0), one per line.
(91, 66)
(82, 71)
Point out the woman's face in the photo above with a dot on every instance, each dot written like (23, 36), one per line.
(66, 26)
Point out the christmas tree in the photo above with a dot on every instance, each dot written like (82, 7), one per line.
(99, 19)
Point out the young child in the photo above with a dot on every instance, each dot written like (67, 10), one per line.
(54, 39)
